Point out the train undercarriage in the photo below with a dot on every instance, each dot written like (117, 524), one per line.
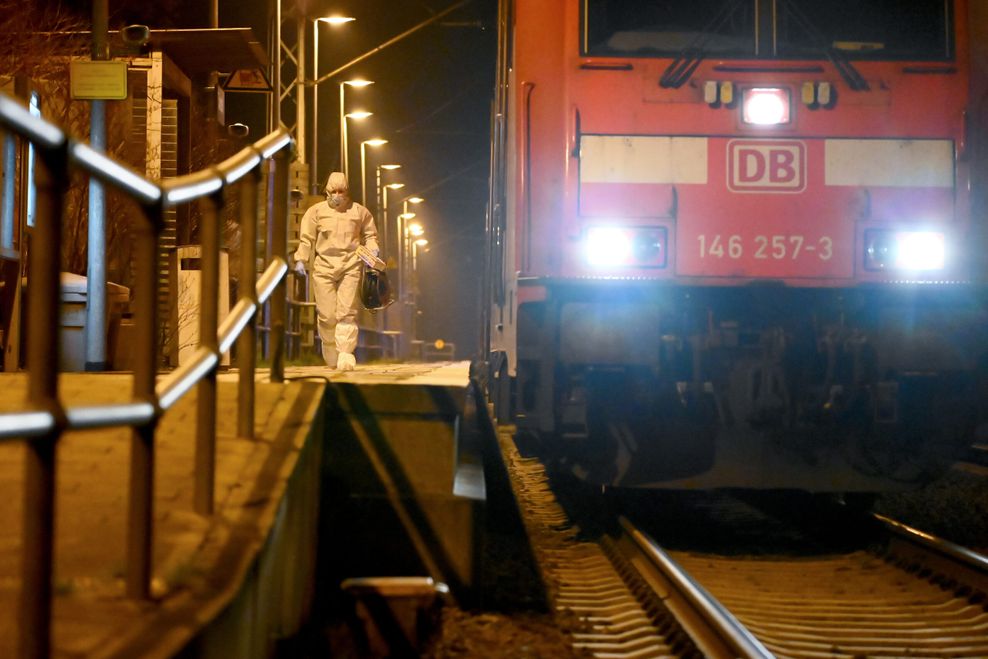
(824, 390)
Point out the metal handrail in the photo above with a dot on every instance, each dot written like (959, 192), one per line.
(43, 419)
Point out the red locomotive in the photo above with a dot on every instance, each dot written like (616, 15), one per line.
(740, 243)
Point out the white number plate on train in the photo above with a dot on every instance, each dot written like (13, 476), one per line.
(776, 247)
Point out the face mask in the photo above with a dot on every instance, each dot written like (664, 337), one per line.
(336, 199)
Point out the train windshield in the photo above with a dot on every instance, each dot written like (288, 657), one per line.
(803, 29)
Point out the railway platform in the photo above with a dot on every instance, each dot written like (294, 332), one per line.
(357, 451)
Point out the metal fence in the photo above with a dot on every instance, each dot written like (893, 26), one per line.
(44, 419)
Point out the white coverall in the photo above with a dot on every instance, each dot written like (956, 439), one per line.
(332, 237)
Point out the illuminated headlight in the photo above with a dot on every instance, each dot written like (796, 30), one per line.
(626, 246)
(905, 250)
(765, 106)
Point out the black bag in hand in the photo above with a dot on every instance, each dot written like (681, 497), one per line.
(375, 289)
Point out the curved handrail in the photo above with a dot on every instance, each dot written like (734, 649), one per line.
(44, 135)
(43, 420)
(171, 192)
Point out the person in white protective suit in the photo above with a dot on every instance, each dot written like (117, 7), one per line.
(336, 234)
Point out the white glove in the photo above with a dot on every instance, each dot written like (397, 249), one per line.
(300, 268)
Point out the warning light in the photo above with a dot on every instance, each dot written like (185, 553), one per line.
(440, 344)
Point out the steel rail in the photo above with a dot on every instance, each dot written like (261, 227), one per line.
(948, 558)
(939, 545)
(246, 308)
(176, 384)
(895, 591)
(87, 417)
(43, 420)
(272, 276)
(17, 425)
(694, 607)
(48, 136)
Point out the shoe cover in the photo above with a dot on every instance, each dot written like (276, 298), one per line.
(346, 362)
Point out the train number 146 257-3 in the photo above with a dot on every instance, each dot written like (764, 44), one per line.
(777, 247)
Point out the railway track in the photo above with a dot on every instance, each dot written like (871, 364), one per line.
(899, 593)
(917, 597)
(608, 606)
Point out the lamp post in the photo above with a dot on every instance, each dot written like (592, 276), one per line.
(331, 20)
(390, 167)
(375, 142)
(390, 186)
(394, 322)
(379, 208)
(359, 114)
(403, 231)
(413, 232)
(401, 228)
(416, 244)
(343, 116)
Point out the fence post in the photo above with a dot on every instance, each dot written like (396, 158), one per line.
(247, 341)
(140, 514)
(37, 551)
(209, 264)
(278, 224)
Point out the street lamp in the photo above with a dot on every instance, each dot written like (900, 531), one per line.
(420, 243)
(343, 115)
(358, 115)
(403, 229)
(331, 20)
(375, 142)
(390, 186)
(378, 207)
(385, 220)
(405, 216)
(336, 20)
(413, 230)
(377, 184)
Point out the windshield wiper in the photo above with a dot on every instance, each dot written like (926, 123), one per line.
(681, 69)
(836, 56)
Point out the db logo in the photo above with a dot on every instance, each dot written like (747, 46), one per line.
(766, 166)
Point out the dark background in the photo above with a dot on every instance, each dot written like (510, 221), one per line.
(431, 100)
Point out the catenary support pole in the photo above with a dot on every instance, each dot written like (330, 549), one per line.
(96, 316)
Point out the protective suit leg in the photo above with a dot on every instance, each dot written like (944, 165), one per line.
(346, 311)
(346, 318)
(324, 289)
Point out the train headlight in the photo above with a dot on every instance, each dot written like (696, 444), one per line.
(643, 247)
(765, 106)
(905, 250)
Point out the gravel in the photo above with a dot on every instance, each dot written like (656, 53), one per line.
(954, 508)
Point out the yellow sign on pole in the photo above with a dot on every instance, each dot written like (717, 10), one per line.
(98, 80)
(247, 80)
